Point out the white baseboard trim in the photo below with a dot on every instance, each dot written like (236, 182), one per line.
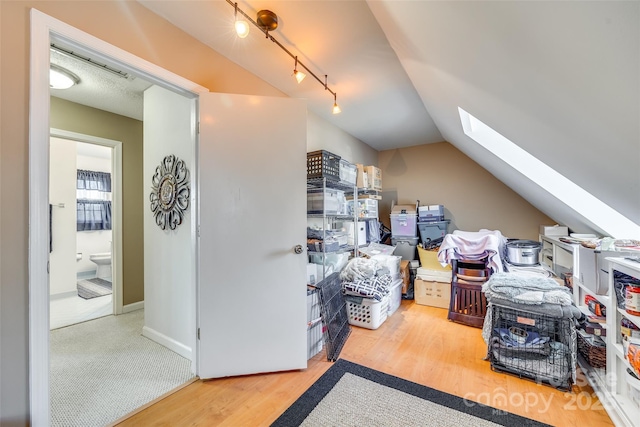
(132, 307)
(170, 343)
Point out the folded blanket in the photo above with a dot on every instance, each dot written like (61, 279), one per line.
(526, 290)
(546, 309)
(376, 287)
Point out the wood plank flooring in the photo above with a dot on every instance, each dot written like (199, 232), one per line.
(416, 343)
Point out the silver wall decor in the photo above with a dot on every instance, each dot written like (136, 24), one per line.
(170, 192)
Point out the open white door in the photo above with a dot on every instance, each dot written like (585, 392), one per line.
(252, 214)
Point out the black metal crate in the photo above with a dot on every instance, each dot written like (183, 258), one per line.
(323, 164)
(335, 319)
(533, 345)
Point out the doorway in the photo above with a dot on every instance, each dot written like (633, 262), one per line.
(44, 31)
(80, 288)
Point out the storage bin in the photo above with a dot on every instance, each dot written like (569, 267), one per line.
(367, 208)
(431, 213)
(432, 293)
(323, 164)
(395, 296)
(593, 349)
(403, 224)
(366, 312)
(405, 247)
(314, 324)
(348, 172)
(328, 200)
(432, 232)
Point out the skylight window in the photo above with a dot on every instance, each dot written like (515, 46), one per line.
(588, 206)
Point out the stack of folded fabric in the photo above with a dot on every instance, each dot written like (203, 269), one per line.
(366, 278)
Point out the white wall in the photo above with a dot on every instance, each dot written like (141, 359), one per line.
(169, 291)
(93, 241)
(62, 190)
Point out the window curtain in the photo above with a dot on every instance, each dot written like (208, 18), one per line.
(91, 180)
(94, 215)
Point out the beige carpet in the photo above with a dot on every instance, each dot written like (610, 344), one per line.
(103, 369)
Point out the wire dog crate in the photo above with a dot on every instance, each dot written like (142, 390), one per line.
(533, 345)
(335, 318)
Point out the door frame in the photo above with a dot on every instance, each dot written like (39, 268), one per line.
(44, 30)
(116, 210)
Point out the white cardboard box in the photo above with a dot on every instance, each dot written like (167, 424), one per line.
(554, 230)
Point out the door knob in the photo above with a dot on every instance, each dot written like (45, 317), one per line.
(298, 249)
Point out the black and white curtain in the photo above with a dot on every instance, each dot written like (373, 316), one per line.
(94, 215)
(91, 180)
(94, 204)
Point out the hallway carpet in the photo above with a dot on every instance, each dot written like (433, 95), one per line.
(103, 369)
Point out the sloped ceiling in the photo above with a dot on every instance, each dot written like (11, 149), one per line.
(561, 79)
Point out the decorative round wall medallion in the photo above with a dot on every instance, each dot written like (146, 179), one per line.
(170, 192)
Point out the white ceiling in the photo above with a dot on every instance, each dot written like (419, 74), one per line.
(561, 79)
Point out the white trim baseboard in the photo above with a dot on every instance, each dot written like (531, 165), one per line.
(132, 307)
(170, 343)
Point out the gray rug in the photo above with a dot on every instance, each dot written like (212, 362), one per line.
(351, 395)
(103, 369)
(91, 288)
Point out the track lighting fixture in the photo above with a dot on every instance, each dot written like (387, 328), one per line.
(299, 75)
(242, 26)
(336, 107)
(267, 21)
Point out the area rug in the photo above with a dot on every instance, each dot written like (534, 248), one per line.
(349, 394)
(91, 288)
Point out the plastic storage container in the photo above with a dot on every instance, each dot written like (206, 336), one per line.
(367, 208)
(328, 201)
(366, 312)
(323, 164)
(403, 225)
(348, 172)
(432, 231)
(395, 296)
(405, 247)
(314, 324)
(431, 213)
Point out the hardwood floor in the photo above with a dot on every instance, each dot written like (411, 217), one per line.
(417, 343)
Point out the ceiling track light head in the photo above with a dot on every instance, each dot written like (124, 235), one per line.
(267, 20)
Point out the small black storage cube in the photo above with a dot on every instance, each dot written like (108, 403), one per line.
(533, 345)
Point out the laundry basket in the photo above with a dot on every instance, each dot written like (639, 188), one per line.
(367, 312)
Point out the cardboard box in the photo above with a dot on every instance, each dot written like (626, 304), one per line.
(405, 275)
(362, 179)
(434, 294)
(554, 230)
(374, 175)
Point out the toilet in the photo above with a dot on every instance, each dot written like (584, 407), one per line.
(103, 261)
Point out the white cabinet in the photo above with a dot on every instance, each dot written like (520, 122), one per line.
(559, 256)
(623, 399)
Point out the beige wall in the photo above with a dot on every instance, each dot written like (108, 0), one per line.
(127, 25)
(73, 117)
(472, 197)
